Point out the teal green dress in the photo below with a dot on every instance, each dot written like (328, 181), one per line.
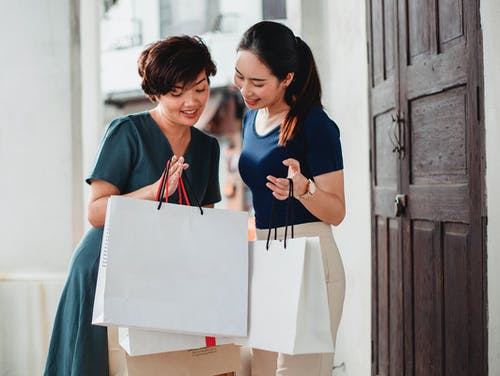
(132, 154)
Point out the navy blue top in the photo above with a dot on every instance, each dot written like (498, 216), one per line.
(317, 148)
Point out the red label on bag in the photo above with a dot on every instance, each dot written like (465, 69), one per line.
(210, 341)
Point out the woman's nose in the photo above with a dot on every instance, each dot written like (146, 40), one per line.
(191, 98)
(245, 90)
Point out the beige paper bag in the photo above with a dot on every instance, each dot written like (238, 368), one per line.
(207, 361)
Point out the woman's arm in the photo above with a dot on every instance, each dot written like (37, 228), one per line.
(101, 190)
(327, 203)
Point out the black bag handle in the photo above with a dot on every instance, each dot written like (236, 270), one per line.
(164, 181)
(188, 183)
(289, 212)
(160, 195)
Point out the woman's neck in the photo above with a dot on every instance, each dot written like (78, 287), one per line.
(266, 121)
(178, 135)
(276, 110)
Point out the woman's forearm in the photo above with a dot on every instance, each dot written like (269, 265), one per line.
(326, 206)
(97, 208)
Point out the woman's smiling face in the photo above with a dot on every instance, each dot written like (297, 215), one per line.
(259, 87)
(184, 104)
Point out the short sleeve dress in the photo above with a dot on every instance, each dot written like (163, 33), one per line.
(132, 154)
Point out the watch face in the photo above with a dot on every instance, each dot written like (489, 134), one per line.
(312, 187)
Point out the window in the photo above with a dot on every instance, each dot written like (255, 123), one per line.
(273, 9)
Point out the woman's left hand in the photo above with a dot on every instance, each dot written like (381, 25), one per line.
(281, 186)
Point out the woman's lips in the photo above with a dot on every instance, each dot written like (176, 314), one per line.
(251, 102)
(190, 114)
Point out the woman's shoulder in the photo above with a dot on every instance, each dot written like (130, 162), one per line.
(318, 118)
(202, 138)
(129, 122)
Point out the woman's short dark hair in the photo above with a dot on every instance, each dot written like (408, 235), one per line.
(277, 47)
(167, 62)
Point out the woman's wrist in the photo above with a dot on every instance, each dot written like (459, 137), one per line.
(304, 186)
(309, 191)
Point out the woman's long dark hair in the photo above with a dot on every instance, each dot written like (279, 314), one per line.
(283, 52)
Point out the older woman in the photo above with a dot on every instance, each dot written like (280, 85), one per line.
(175, 75)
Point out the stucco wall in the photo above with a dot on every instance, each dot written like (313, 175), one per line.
(38, 156)
(490, 14)
(336, 31)
(40, 163)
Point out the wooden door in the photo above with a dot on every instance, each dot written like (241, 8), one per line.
(427, 145)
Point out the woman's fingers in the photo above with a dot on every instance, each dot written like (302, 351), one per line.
(279, 186)
(293, 167)
(176, 168)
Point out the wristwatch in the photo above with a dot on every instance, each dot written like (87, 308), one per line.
(311, 189)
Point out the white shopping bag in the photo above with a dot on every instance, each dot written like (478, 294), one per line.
(288, 309)
(142, 342)
(173, 269)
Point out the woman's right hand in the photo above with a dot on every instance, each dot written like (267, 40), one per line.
(177, 166)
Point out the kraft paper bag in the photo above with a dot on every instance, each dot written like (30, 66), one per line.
(200, 362)
(173, 269)
(142, 342)
(288, 309)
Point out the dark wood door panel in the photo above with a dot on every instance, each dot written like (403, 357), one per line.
(457, 259)
(435, 73)
(381, 297)
(427, 298)
(386, 160)
(431, 27)
(438, 144)
(428, 264)
(381, 40)
(451, 23)
(383, 99)
(438, 183)
(383, 201)
(388, 330)
(439, 202)
(396, 332)
(443, 300)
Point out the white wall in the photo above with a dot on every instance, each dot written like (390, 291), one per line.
(336, 32)
(40, 160)
(490, 14)
(40, 106)
(92, 107)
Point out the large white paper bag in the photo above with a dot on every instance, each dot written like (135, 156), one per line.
(173, 269)
(288, 309)
(143, 342)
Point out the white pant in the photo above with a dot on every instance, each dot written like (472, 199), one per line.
(267, 363)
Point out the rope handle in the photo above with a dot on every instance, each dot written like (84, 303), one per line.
(181, 189)
(289, 212)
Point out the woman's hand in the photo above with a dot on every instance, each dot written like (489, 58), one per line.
(327, 203)
(281, 186)
(100, 191)
(177, 166)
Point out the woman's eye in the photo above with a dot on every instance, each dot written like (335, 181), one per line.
(176, 93)
(260, 85)
(201, 90)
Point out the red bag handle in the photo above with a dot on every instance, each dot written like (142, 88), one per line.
(181, 189)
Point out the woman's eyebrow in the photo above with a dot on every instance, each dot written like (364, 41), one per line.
(200, 81)
(182, 87)
(250, 78)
